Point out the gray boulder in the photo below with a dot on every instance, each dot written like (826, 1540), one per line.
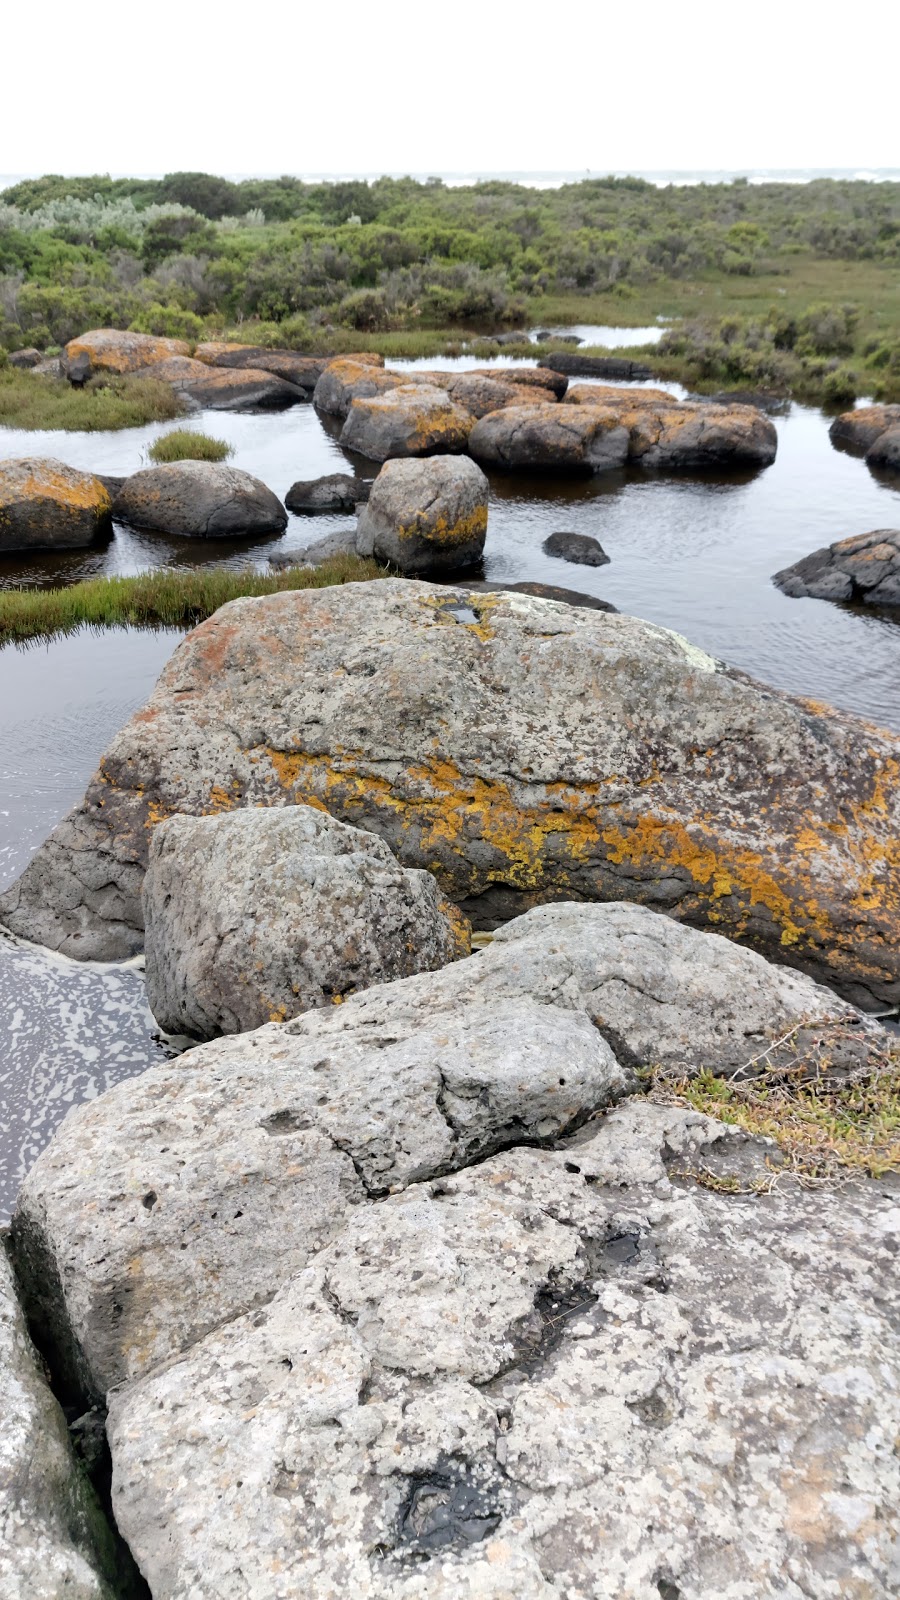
(551, 437)
(45, 505)
(25, 358)
(557, 1373)
(581, 548)
(702, 438)
(865, 567)
(582, 366)
(885, 452)
(303, 372)
(426, 516)
(339, 491)
(54, 1542)
(340, 543)
(257, 915)
(411, 420)
(856, 431)
(480, 395)
(540, 378)
(199, 500)
(224, 388)
(348, 378)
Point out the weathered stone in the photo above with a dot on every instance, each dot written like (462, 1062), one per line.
(426, 516)
(856, 431)
(865, 567)
(339, 491)
(350, 378)
(303, 372)
(411, 420)
(885, 452)
(200, 500)
(45, 505)
(182, 1198)
(689, 438)
(607, 394)
(581, 548)
(479, 395)
(576, 365)
(521, 750)
(257, 915)
(53, 1539)
(555, 1374)
(542, 591)
(24, 358)
(111, 350)
(341, 543)
(552, 437)
(526, 377)
(224, 388)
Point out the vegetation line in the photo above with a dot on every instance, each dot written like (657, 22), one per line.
(161, 599)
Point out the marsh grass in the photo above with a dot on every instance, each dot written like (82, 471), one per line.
(182, 444)
(159, 599)
(33, 400)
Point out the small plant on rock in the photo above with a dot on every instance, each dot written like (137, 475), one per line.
(182, 444)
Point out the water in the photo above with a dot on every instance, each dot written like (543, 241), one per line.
(692, 554)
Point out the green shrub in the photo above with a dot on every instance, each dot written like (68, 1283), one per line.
(840, 387)
(168, 322)
(184, 445)
(827, 330)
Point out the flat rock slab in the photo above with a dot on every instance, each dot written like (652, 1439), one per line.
(225, 388)
(580, 366)
(199, 500)
(519, 749)
(45, 505)
(257, 915)
(558, 1373)
(865, 567)
(540, 378)
(303, 372)
(426, 516)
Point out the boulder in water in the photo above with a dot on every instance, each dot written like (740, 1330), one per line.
(551, 437)
(426, 516)
(581, 548)
(339, 491)
(856, 431)
(865, 567)
(45, 505)
(199, 500)
(411, 420)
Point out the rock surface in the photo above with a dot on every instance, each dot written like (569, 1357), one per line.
(480, 395)
(111, 350)
(520, 749)
(410, 420)
(53, 1540)
(338, 491)
(303, 372)
(605, 394)
(885, 452)
(559, 1373)
(426, 516)
(341, 543)
(690, 438)
(350, 378)
(554, 437)
(199, 500)
(45, 505)
(527, 377)
(541, 591)
(579, 366)
(25, 358)
(257, 915)
(858, 430)
(581, 548)
(865, 567)
(224, 388)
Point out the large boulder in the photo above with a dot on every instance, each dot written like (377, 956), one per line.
(559, 1373)
(411, 420)
(257, 915)
(525, 377)
(45, 505)
(521, 750)
(551, 437)
(53, 1539)
(704, 437)
(111, 350)
(856, 431)
(303, 372)
(350, 378)
(225, 388)
(25, 359)
(865, 567)
(885, 452)
(339, 491)
(199, 500)
(426, 516)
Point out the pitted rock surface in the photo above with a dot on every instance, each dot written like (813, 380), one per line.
(426, 516)
(257, 915)
(111, 350)
(199, 500)
(520, 749)
(538, 1378)
(412, 419)
(45, 505)
(865, 567)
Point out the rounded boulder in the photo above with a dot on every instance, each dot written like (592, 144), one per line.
(552, 437)
(111, 350)
(412, 420)
(45, 505)
(199, 500)
(426, 516)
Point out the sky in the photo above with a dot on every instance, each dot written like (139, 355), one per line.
(346, 87)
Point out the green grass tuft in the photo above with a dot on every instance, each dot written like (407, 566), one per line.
(160, 599)
(33, 400)
(184, 445)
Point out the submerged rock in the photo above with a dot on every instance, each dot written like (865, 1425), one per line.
(111, 350)
(257, 915)
(554, 437)
(581, 548)
(426, 516)
(519, 749)
(339, 491)
(225, 389)
(45, 505)
(410, 420)
(865, 567)
(856, 431)
(199, 500)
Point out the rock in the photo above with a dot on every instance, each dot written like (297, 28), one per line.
(111, 350)
(184, 1197)
(45, 505)
(525, 377)
(513, 336)
(885, 452)
(558, 1373)
(531, 752)
(856, 431)
(767, 400)
(50, 368)
(479, 395)
(350, 378)
(225, 388)
(426, 516)
(78, 369)
(605, 394)
(112, 485)
(53, 1539)
(339, 491)
(257, 915)
(866, 567)
(199, 500)
(412, 420)
(578, 547)
(579, 366)
(25, 358)
(543, 591)
(702, 438)
(342, 543)
(556, 438)
(303, 372)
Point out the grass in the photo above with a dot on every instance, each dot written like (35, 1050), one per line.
(159, 599)
(184, 445)
(828, 1125)
(33, 400)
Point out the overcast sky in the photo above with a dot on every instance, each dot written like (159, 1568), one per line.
(340, 86)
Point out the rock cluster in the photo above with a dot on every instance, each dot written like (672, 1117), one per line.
(45, 505)
(865, 567)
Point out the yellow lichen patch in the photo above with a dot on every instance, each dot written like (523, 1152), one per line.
(45, 479)
(441, 530)
(111, 350)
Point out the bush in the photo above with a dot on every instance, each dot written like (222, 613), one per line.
(840, 387)
(168, 322)
(184, 445)
(827, 331)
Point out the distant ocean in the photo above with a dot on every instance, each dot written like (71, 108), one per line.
(554, 180)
